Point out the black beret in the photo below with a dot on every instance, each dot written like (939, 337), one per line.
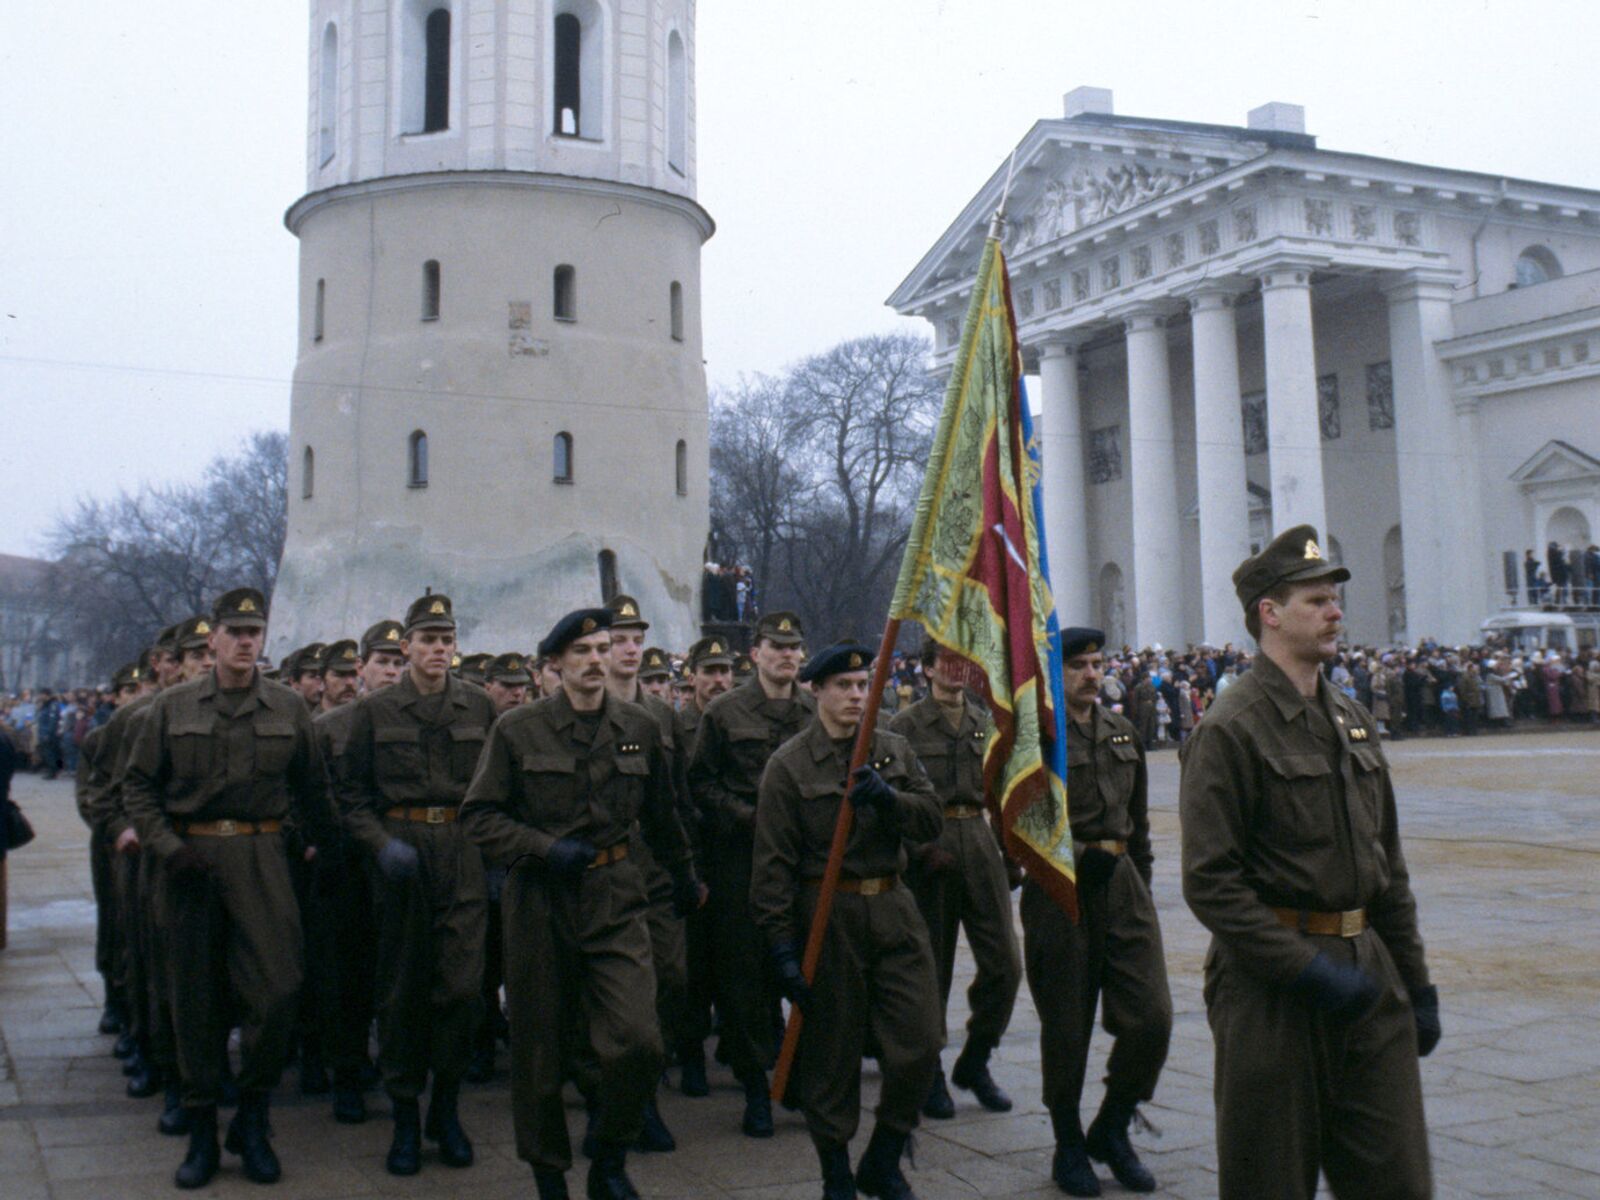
(836, 660)
(1292, 557)
(1079, 639)
(579, 623)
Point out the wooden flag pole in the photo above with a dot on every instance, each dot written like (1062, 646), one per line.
(841, 837)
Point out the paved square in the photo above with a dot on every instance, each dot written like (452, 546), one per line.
(1503, 839)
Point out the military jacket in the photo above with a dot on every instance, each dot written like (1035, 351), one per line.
(333, 734)
(117, 737)
(739, 731)
(1286, 802)
(801, 791)
(93, 777)
(543, 778)
(1107, 785)
(953, 758)
(397, 755)
(194, 760)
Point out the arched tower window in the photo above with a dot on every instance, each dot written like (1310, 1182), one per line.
(675, 301)
(328, 97)
(308, 473)
(566, 293)
(425, 67)
(677, 105)
(1537, 265)
(563, 457)
(681, 466)
(577, 99)
(430, 290)
(319, 311)
(608, 575)
(417, 460)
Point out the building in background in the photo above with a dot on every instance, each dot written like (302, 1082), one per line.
(1235, 331)
(36, 646)
(500, 393)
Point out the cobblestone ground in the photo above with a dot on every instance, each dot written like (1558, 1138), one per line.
(1504, 844)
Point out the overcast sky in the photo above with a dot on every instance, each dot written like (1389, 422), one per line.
(147, 285)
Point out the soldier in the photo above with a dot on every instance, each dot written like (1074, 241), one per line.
(302, 671)
(340, 668)
(710, 666)
(960, 881)
(546, 676)
(411, 752)
(474, 668)
(350, 912)
(655, 674)
(1316, 986)
(220, 762)
(1112, 955)
(507, 680)
(555, 799)
(875, 980)
(739, 731)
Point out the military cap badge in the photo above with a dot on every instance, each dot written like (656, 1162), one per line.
(247, 605)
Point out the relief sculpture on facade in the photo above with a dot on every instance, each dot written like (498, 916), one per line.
(1087, 196)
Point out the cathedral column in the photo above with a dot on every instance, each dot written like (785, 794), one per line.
(1157, 597)
(1065, 507)
(1294, 433)
(1219, 463)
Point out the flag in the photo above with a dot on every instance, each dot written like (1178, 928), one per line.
(975, 574)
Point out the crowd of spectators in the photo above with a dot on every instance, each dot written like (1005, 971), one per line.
(728, 593)
(46, 727)
(1569, 577)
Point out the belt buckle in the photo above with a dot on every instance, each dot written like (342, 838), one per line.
(435, 816)
(1350, 923)
(227, 828)
(871, 887)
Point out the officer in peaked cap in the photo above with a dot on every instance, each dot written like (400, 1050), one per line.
(302, 671)
(165, 656)
(340, 664)
(475, 668)
(655, 674)
(411, 753)
(382, 637)
(506, 679)
(555, 800)
(876, 977)
(1317, 987)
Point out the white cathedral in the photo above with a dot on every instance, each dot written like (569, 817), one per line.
(1235, 331)
(500, 392)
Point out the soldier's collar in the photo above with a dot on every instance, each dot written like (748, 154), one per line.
(818, 741)
(1279, 689)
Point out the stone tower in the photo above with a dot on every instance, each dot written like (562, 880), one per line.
(499, 392)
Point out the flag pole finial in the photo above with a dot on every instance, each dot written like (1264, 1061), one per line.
(997, 223)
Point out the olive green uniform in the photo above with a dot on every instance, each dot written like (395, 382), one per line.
(700, 987)
(875, 979)
(668, 933)
(234, 944)
(1112, 957)
(578, 955)
(94, 777)
(971, 891)
(739, 731)
(404, 771)
(1286, 803)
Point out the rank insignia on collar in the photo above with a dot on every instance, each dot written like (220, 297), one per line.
(881, 763)
(1358, 733)
(629, 748)
(979, 734)
(1313, 551)
(1121, 739)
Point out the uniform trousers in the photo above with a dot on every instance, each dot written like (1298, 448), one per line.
(350, 908)
(579, 973)
(669, 950)
(234, 950)
(1298, 1092)
(108, 951)
(125, 873)
(746, 995)
(430, 960)
(1113, 958)
(875, 979)
(974, 895)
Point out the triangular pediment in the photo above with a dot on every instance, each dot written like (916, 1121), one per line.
(1556, 462)
(1083, 189)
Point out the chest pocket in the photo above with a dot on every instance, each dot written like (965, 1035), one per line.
(1300, 798)
(466, 744)
(192, 744)
(819, 811)
(937, 760)
(550, 785)
(750, 745)
(1367, 806)
(274, 747)
(397, 753)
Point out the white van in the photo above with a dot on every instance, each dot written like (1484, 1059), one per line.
(1529, 629)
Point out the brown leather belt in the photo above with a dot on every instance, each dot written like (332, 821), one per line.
(874, 886)
(609, 855)
(226, 828)
(438, 814)
(962, 811)
(1324, 924)
(1109, 845)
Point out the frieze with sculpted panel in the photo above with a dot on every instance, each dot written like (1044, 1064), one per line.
(1088, 196)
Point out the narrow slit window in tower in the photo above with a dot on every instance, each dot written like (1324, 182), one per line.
(569, 76)
(566, 293)
(563, 458)
(319, 310)
(430, 290)
(308, 473)
(417, 460)
(608, 575)
(675, 300)
(677, 105)
(681, 464)
(328, 97)
(436, 75)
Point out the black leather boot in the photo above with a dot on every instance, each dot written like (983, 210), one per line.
(146, 1081)
(248, 1138)
(174, 1119)
(405, 1150)
(112, 1019)
(480, 1067)
(1071, 1169)
(124, 1046)
(608, 1177)
(133, 1063)
(550, 1183)
(349, 1105)
(204, 1155)
(757, 1121)
(591, 1126)
(654, 1136)
(444, 1126)
(692, 1079)
(971, 1073)
(1108, 1143)
(878, 1172)
(939, 1104)
(837, 1181)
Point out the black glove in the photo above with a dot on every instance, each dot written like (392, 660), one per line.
(688, 894)
(1342, 990)
(871, 791)
(791, 979)
(188, 866)
(569, 858)
(398, 860)
(1095, 867)
(1014, 874)
(1425, 1011)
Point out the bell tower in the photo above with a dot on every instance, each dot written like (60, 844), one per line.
(499, 391)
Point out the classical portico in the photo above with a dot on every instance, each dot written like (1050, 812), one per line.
(1206, 307)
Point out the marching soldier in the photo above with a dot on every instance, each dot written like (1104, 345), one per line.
(302, 671)
(411, 752)
(875, 979)
(1316, 985)
(1113, 955)
(507, 680)
(739, 732)
(960, 880)
(555, 800)
(655, 674)
(219, 764)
